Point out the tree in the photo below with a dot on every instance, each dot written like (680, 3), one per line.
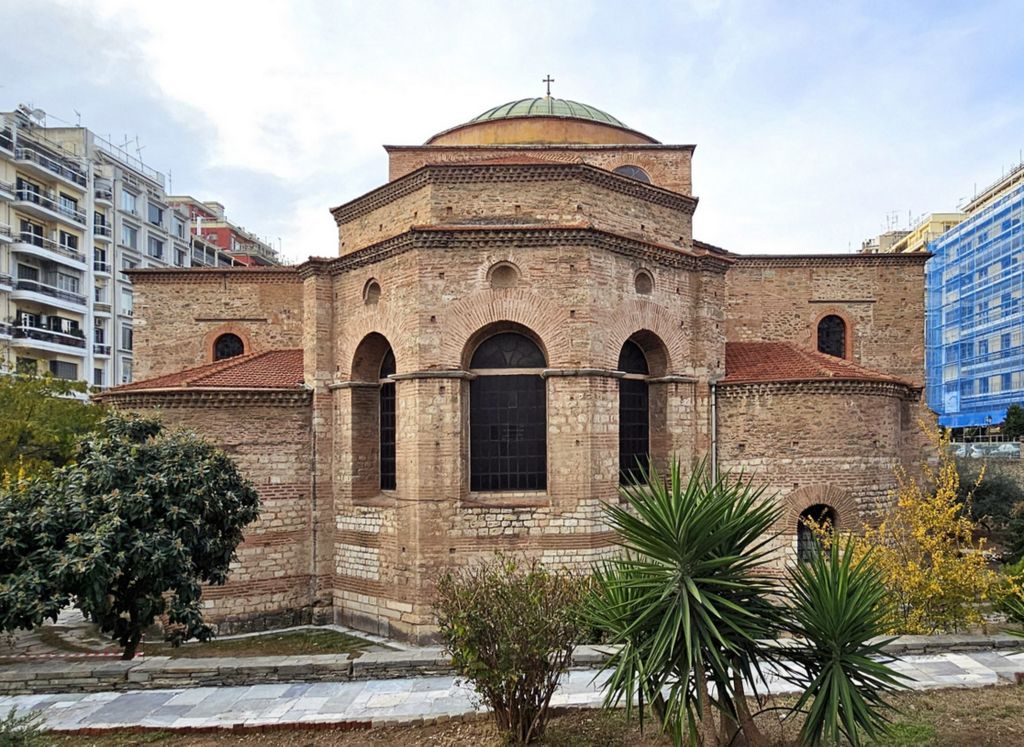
(690, 603)
(933, 568)
(511, 627)
(1013, 423)
(43, 419)
(128, 532)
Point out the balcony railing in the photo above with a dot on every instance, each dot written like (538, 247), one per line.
(107, 195)
(48, 290)
(5, 230)
(101, 229)
(5, 280)
(100, 349)
(29, 332)
(101, 266)
(50, 164)
(6, 187)
(5, 329)
(48, 200)
(6, 140)
(27, 237)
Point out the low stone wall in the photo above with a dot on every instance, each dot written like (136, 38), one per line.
(160, 672)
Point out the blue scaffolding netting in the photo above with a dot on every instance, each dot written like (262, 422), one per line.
(973, 316)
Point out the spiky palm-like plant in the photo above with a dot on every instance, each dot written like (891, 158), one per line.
(691, 605)
(688, 600)
(838, 608)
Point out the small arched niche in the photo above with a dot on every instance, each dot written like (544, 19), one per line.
(643, 283)
(813, 519)
(371, 292)
(503, 275)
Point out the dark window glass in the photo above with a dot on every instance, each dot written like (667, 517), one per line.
(387, 424)
(832, 336)
(634, 415)
(807, 543)
(227, 346)
(633, 172)
(508, 417)
(508, 350)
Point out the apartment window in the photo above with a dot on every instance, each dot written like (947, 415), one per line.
(31, 233)
(155, 248)
(982, 347)
(68, 205)
(27, 366)
(128, 264)
(1004, 341)
(1007, 382)
(129, 236)
(64, 370)
(179, 228)
(126, 337)
(983, 385)
(68, 283)
(128, 202)
(27, 190)
(180, 257)
(100, 293)
(28, 272)
(156, 214)
(99, 219)
(97, 377)
(126, 370)
(99, 335)
(127, 301)
(69, 241)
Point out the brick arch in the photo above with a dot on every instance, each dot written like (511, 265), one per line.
(847, 320)
(369, 320)
(847, 516)
(226, 329)
(639, 315)
(519, 306)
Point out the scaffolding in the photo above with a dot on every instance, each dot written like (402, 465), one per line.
(973, 315)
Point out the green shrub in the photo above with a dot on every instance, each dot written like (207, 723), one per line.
(21, 731)
(510, 627)
(692, 600)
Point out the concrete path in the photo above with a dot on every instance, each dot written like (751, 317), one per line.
(398, 700)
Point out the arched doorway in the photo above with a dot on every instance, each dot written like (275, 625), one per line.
(808, 543)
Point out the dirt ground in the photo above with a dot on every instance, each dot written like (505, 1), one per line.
(989, 717)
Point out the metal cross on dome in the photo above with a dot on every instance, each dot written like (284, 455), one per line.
(549, 80)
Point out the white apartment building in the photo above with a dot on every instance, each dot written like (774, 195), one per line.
(77, 211)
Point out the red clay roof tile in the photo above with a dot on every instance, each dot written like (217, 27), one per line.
(763, 362)
(271, 369)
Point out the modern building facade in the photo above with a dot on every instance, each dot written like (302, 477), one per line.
(510, 323)
(210, 223)
(77, 212)
(974, 313)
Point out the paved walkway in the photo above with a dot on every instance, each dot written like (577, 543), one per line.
(397, 700)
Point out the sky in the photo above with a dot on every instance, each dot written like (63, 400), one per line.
(817, 125)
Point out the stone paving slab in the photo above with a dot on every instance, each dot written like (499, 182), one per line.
(405, 699)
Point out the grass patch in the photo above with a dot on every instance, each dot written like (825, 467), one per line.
(291, 643)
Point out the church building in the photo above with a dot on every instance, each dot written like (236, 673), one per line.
(512, 323)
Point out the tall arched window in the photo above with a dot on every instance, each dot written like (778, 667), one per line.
(634, 414)
(507, 415)
(807, 542)
(832, 336)
(227, 346)
(387, 422)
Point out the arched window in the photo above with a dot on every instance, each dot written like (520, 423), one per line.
(633, 172)
(832, 336)
(507, 415)
(387, 422)
(807, 542)
(227, 346)
(634, 414)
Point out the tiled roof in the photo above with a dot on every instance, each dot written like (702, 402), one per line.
(765, 362)
(271, 369)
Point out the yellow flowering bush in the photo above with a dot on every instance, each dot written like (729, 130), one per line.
(934, 569)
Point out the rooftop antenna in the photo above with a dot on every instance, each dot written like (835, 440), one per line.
(78, 117)
(170, 182)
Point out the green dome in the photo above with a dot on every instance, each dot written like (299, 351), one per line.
(547, 106)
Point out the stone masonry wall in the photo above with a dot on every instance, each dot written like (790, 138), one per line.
(668, 166)
(179, 313)
(270, 583)
(881, 297)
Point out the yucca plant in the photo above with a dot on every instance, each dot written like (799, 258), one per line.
(687, 600)
(838, 608)
(691, 606)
